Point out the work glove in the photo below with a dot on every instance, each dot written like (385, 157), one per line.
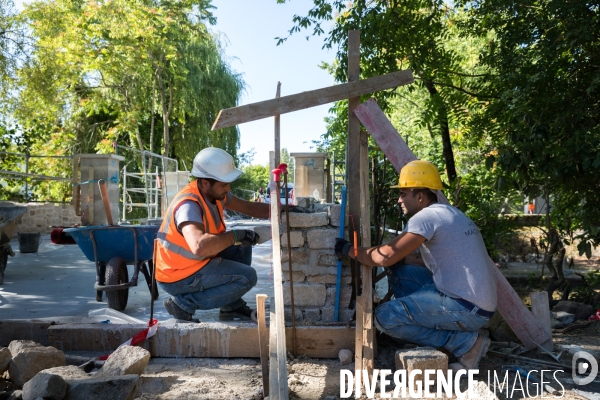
(342, 247)
(245, 236)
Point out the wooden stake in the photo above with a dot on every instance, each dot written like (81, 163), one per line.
(540, 308)
(263, 341)
(277, 130)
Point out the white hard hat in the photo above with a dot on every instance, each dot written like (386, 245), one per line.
(215, 163)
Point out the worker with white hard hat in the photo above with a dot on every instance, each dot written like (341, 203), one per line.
(198, 262)
(440, 273)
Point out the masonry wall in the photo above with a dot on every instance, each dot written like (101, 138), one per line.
(41, 217)
(314, 267)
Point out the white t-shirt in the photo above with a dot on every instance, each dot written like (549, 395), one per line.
(455, 253)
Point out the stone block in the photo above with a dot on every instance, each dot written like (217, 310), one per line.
(287, 315)
(46, 386)
(321, 238)
(344, 314)
(305, 295)
(126, 360)
(308, 220)
(330, 278)
(5, 357)
(323, 257)
(420, 358)
(335, 212)
(303, 202)
(312, 315)
(17, 345)
(299, 256)
(346, 293)
(264, 233)
(297, 276)
(104, 388)
(30, 360)
(315, 271)
(68, 372)
(582, 311)
(296, 239)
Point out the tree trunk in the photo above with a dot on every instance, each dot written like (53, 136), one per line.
(445, 130)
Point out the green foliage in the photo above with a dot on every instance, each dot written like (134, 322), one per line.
(588, 294)
(144, 74)
(287, 159)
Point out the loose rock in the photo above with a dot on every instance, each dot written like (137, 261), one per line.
(104, 388)
(126, 360)
(46, 386)
(30, 360)
(580, 310)
(346, 356)
(5, 357)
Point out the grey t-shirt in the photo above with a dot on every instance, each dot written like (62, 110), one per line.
(190, 211)
(455, 253)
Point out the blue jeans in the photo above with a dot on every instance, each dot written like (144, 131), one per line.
(221, 283)
(421, 314)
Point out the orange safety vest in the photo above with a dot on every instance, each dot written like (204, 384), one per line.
(173, 258)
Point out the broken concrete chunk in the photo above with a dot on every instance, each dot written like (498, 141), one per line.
(17, 345)
(68, 372)
(30, 360)
(580, 310)
(561, 319)
(16, 395)
(126, 360)
(346, 356)
(104, 388)
(5, 357)
(421, 358)
(47, 386)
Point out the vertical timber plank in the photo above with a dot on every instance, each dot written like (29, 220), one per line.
(353, 182)
(367, 270)
(519, 318)
(278, 294)
(277, 119)
(540, 308)
(273, 366)
(263, 341)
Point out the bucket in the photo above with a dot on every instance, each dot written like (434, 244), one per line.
(29, 242)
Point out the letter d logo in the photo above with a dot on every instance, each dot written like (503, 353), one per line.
(581, 368)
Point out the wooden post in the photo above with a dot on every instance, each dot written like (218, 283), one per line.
(367, 270)
(354, 187)
(540, 308)
(277, 320)
(277, 130)
(263, 341)
(523, 323)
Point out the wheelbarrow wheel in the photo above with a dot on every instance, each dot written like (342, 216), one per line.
(116, 273)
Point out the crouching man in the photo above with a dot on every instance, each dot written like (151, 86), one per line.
(200, 264)
(445, 303)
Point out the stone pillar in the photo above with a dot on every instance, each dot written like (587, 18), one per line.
(93, 167)
(309, 174)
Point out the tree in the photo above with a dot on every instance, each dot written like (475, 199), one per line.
(118, 71)
(406, 34)
(541, 125)
(287, 159)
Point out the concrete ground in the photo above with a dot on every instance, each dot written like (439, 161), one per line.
(58, 281)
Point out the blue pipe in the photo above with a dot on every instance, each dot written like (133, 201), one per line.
(338, 280)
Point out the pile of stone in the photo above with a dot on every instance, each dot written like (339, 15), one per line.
(32, 371)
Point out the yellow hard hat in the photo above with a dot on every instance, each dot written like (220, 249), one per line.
(419, 174)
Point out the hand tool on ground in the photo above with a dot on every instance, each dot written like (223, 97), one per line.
(283, 168)
(263, 341)
(338, 280)
(104, 195)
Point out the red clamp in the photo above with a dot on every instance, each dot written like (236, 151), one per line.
(283, 168)
(276, 172)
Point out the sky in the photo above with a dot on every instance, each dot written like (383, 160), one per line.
(248, 29)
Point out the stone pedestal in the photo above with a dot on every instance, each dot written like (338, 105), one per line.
(93, 167)
(309, 174)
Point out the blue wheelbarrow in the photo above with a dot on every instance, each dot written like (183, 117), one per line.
(112, 248)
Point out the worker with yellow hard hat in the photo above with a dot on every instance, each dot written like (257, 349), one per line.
(440, 273)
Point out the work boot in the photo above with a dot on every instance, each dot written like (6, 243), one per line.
(470, 360)
(177, 312)
(243, 313)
